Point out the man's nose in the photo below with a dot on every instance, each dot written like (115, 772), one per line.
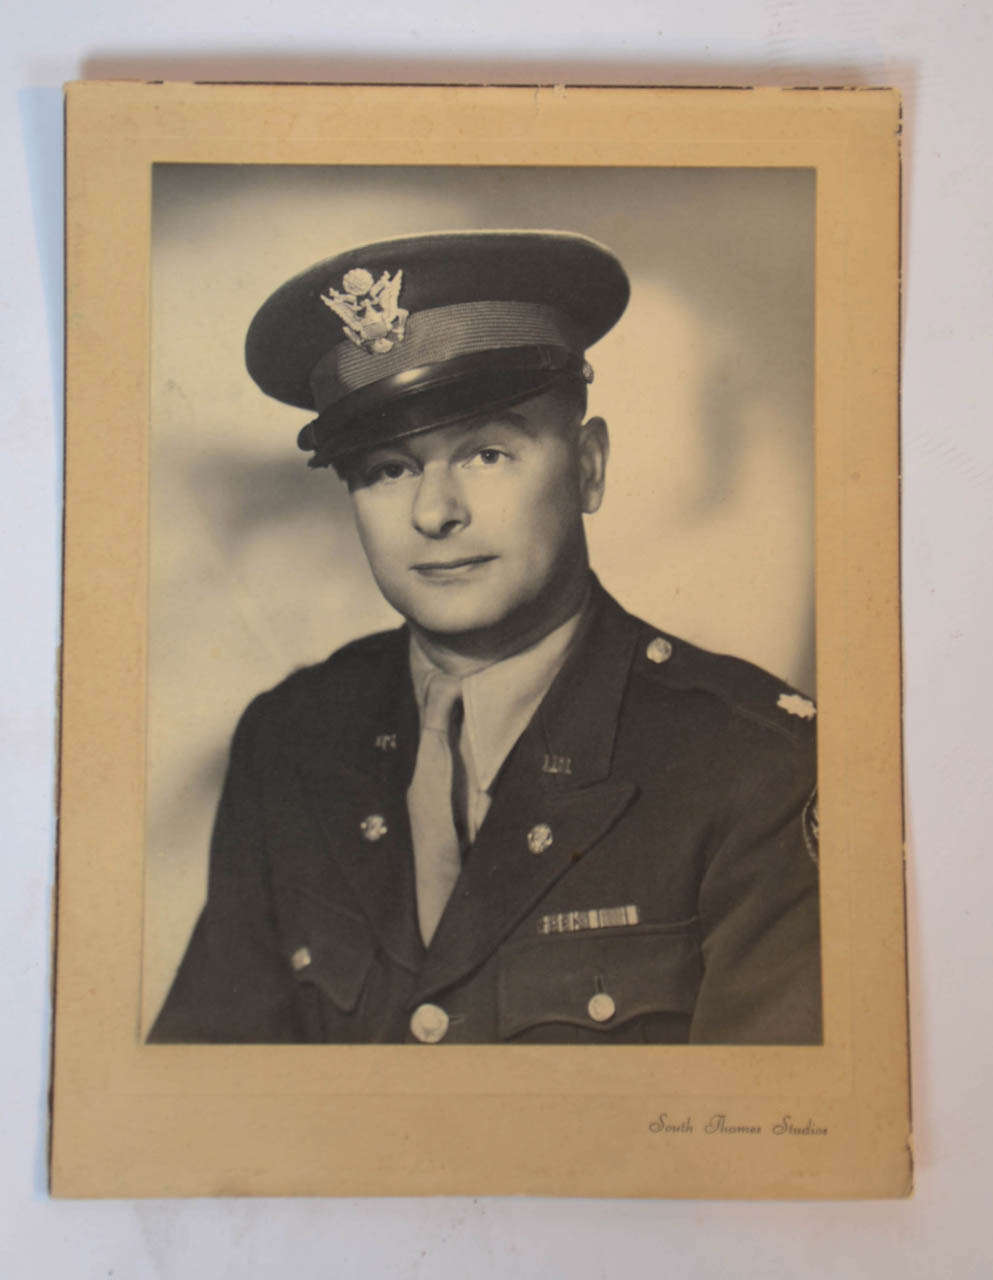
(439, 504)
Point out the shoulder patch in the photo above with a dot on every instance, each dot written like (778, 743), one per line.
(812, 826)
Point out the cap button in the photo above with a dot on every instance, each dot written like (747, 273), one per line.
(429, 1023)
(659, 650)
(601, 1007)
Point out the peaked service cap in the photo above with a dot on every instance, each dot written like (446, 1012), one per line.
(397, 337)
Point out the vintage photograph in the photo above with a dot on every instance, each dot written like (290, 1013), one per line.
(480, 761)
(481, 653)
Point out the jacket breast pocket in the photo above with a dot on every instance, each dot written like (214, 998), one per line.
(638, 983)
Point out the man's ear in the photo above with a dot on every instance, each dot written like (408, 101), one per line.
(594, 449)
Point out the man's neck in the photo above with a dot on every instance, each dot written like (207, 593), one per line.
(464, 653)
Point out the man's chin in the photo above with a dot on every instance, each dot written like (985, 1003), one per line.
(452, 623)
(464, 615)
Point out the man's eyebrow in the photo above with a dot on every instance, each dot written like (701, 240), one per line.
(357, 468)
(389, 448)
(506, 418)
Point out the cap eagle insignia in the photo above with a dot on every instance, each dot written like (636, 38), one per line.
(369, 309)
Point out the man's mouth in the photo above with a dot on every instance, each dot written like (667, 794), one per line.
(443, 570)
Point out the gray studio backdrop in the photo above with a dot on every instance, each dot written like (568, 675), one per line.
(706, 384)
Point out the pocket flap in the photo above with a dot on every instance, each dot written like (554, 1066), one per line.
(599, 980)
(334, 951)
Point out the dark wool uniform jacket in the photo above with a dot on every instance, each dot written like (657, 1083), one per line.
(653, 776)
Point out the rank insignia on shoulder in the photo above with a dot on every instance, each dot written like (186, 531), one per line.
(595, 918)
(795, 704)
(386, 742)
(557, 764)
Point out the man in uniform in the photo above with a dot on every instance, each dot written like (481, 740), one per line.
(525, 816)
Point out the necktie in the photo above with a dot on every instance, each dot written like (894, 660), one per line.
(437, 855)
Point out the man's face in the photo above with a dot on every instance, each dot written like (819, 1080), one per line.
(477, 527)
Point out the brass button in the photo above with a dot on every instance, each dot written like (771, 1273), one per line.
(540, 837)
(300, 958)
(374, 827)
(601, 1007)
(659, 650)
(429, 1023)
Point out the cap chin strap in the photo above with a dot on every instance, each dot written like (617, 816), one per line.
(401, 405)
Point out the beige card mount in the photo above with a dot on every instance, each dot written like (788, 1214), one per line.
(752, 507)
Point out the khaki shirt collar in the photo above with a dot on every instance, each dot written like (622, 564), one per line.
(500, 699)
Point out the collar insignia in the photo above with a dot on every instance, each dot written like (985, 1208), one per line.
(369, 309)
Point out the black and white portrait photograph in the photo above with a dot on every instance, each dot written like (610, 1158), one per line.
(481, 652)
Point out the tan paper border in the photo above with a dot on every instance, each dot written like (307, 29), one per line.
(136, 1120)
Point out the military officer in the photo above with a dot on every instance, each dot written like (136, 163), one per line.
(525, 816)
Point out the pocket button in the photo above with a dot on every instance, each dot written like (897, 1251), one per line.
(601, 1007)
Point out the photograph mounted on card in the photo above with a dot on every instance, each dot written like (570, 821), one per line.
(479, 582)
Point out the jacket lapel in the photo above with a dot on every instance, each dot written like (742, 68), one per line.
(355, 764)
(543, 817)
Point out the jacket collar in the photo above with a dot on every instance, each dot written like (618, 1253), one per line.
(366, 724)
(500, 699)
(578, 718)
(354, 742)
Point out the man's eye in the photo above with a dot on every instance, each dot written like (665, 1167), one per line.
(487, 457)
(387, 471)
